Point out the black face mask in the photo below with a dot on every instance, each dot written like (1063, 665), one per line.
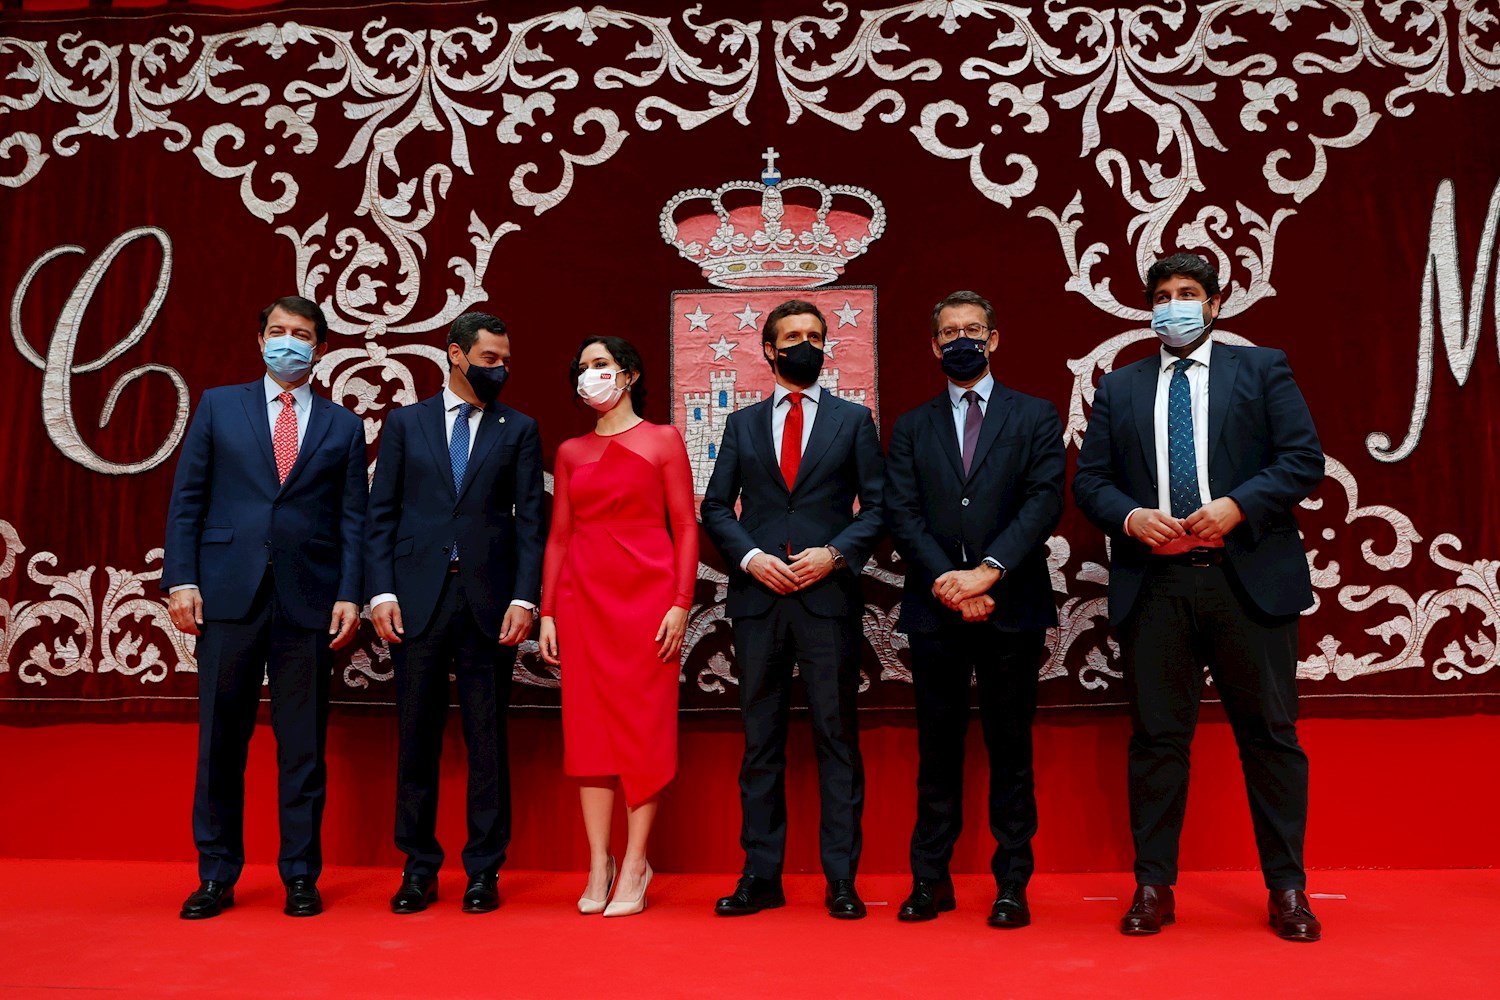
(486, 382)
(964, 359)
(800, 363)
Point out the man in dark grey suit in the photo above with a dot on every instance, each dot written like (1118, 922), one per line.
(974, 488)
(797, 463)
(1194, 461)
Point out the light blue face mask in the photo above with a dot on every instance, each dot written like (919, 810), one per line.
(1178, 322)
(288, 358)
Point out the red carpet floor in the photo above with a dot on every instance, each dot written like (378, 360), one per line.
(94, 928)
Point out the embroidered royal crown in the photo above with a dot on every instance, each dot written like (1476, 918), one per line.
(794, 234)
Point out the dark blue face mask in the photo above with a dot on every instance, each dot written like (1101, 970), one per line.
(964, 359)
(486, 382)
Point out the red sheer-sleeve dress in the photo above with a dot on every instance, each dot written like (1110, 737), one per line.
(612, 571)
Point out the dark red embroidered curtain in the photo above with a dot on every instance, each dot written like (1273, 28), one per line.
(166, 173)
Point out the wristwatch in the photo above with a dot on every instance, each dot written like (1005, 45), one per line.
(839, 562)
(993, 563)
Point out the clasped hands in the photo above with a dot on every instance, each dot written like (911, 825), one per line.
(1211, 522)
(967, 591)
(805, 569)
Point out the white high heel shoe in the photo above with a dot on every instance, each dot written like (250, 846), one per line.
(628, 908)
(591, 906)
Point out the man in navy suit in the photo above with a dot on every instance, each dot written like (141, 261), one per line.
(454, 561)
(262, 562)
(1193, 463)
(974, 488)
(796, 463)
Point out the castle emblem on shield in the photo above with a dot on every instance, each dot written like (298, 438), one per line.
(763, 242)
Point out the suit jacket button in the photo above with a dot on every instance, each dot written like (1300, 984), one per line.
(965, 501)
(455, 515)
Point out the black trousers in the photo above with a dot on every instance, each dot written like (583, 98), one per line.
(827, 652)
(1004, 667)
(233, 658)
(1187, 617)
(452, 642)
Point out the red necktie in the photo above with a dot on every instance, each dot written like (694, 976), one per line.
(791, 440)
(284, 437)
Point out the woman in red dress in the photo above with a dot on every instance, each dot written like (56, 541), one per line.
(615, 597)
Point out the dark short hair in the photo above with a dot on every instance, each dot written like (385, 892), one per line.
(791, 307)
(627, 357)
(1185, 265)
(298, 306)
(465, 329)
(964, 298)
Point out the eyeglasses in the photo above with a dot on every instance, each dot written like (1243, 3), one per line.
(974, 331)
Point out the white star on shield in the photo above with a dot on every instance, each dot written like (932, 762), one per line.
(848, 316)
(749, 319)
(698, 319)
(724, 349)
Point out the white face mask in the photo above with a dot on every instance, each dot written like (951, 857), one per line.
(598, 388)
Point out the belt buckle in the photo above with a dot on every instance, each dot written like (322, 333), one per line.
(1200, 558)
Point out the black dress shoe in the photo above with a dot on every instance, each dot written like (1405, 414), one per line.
(415, 893)
(751, 895)
(1291, 917)
(483, 894)
(1151, 908)
(302, 897)
(929, 897)
(208, 900)
(1010, 909)
(843, 901)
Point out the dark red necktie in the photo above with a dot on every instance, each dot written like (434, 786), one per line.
(791, 439)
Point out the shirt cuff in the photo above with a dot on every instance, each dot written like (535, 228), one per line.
(380, 599)
(745, 562)
(518, 603)
(1126, 525)
(182, 586)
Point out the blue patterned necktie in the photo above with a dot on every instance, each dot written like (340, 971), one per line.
(458, 455)
(1182, 456)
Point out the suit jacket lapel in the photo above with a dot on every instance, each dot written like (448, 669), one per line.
(317, 426)
(826, 425)
(941, 412)
(1223, 366)
(257, 412)
(764, 441)
(435, 433)
(491, 428)
(996, 412)
(1143, 397)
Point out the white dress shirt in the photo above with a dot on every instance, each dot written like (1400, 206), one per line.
(451, 403)
(1197, 376)
(301, 406)
(984, 387)
(811, 396)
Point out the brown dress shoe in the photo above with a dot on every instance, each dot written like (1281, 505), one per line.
(1151, 909)
(1291, 917)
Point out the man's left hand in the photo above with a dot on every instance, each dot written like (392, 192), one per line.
(811, 565)
(958, 585)
(1215, 519)
(344, 624)
(515, 626)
